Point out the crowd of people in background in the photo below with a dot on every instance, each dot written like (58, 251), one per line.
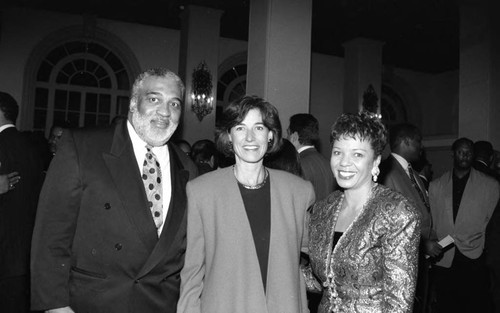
(125, 218)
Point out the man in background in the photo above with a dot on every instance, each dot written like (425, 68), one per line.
(483, 158)
(303, 133)
(462, 202)
(21, 175)
(397, 173)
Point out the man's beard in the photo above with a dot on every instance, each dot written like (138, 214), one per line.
(463, 164)
(147, 132)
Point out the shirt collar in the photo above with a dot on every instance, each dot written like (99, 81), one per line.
(304, 148)
(137, 142)
(4, 127)
(401, 161)
(481, 161)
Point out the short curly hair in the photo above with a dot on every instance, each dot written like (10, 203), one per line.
(236, 112)
(363, 126)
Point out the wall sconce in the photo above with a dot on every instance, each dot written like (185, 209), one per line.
(202, 100)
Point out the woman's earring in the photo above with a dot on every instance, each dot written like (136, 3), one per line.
(375, 173)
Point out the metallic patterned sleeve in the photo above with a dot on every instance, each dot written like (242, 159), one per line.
(312, 284)
(401, 258)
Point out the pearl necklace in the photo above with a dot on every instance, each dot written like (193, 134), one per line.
(333, 297)
(257, 186)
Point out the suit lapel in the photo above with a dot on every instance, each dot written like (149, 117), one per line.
(176, 212)
(405, 182)
(465, 202)
(122, 166)
(448, 202)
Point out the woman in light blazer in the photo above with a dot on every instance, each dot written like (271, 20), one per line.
(245, 223)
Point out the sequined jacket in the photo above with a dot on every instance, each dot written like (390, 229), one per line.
(374, 264)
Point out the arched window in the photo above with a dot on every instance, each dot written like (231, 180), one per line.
(80, 84)
(231, 85)
(393, 108)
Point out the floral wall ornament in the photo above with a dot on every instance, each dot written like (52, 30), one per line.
(202, 100)
(370, 101)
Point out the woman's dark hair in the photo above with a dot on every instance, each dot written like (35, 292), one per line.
(203, 150)
(236, 112)
(362, 126)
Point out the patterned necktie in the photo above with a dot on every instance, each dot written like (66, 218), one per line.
(151, 177)
(415, 183)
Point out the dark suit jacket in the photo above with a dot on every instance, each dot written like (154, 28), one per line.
(393, 175)
(482, 167)
(95, 245)
(316, 169)
(18, 206)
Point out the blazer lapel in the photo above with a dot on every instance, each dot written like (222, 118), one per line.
(122, 166)
(405, 183)
(448, 202)
(176, 213)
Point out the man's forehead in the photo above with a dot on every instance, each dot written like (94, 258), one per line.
(464, 146)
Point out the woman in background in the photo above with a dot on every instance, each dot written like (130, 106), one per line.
(363, 241)
(245, 223)
(203, 154)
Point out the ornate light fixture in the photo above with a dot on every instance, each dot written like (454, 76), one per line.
(202, 100)
(370, 101)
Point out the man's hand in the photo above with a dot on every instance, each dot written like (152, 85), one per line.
(432, 248)
(66, 309)
(8, 181)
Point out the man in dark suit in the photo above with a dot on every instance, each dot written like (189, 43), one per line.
(397, 173)
(21, 174)
(303, 133)
(110, 232)
(483, 157)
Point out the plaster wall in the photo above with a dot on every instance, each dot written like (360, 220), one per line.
(432, 100)
(326, 104)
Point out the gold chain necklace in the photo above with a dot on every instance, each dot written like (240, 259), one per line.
(257, 186)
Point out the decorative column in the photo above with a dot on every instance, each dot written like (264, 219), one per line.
(199, 44)
(279, 54)
(362, 68)
(479, 78)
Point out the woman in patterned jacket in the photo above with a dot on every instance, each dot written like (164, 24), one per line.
(363, 240)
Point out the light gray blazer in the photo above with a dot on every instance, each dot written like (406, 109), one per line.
(478, 203)
(221, 272)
